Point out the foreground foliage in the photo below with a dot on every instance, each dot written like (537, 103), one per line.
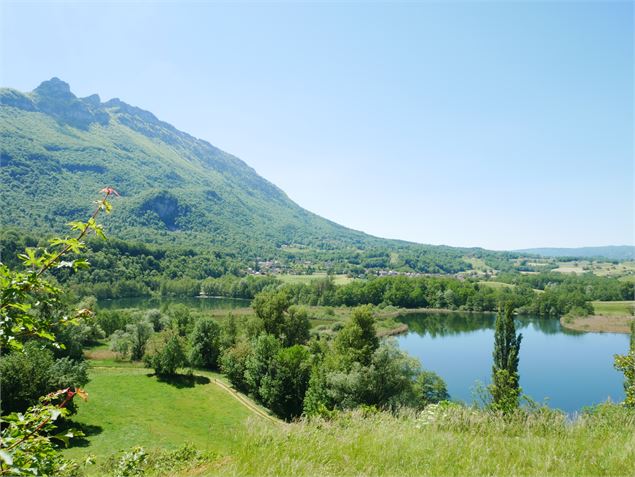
(626, 364)
(443, 439)
(32, 315)
(27, 438)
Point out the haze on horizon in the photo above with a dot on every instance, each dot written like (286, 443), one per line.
(499, 125)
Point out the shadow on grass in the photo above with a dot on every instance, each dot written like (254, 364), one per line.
(181, 380)
(89, 430)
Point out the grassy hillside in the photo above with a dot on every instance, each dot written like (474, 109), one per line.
(58, 150)
(128, 406)
(610, 252)
(441, 440)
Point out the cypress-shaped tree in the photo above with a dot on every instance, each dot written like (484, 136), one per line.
(505, 389)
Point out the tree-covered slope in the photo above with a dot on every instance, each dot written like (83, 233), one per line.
(58, 150)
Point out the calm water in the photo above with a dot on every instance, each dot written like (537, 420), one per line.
(569, 369)
(146, 303)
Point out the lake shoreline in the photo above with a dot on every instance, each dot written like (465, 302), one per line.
(598, 323)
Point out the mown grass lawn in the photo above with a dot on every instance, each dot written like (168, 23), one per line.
(290, 278)
(613, 308)
(496, 285)
(130, 407)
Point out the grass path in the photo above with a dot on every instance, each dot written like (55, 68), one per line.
(246, 402)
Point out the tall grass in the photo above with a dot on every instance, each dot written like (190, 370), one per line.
(442, 440)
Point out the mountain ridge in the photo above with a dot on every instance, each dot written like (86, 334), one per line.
(58, 150)
(611, 252)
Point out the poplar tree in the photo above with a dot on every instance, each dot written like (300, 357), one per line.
(505, 389)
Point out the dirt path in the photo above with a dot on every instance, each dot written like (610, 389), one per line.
(246, 402)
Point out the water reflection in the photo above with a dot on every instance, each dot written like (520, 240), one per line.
(439, 324)
(569, 368)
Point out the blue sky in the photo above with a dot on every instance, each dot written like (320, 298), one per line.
(501, 124)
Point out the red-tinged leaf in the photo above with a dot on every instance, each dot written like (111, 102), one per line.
(110, 191)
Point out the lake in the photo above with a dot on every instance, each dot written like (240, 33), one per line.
(568, 369)
(146, 303)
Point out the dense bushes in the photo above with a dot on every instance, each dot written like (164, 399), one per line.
(280, 319)
(166, 353)
(357, 370)
(27, 375)
(558, 294)
(354, 369)
(205, 344)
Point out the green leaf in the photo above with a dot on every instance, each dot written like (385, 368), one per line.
(76, 225)
(80, 263)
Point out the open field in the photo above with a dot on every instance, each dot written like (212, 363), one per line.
(499, 285)
(493, 284)
(598, 324)
(609, 317)
(606, 269)
(478, 264)
(129, 406)
(614, 308)
(289, 278)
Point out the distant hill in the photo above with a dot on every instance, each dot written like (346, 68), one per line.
(58, 150)
(611, 252)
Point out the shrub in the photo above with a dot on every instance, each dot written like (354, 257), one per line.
(26, 443)
(121, 343)
(205, 344)
(181, 318)
(166, 353)
(233, 364)
(67, 373)
(28, 374)
(156, 318)
(284, 386)
(140, 333)
(265, 349)
(429, 388)
(112, 320)
(24, 376)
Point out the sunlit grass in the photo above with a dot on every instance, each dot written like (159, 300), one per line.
(460, 442)
(614, 308)
(130, 407)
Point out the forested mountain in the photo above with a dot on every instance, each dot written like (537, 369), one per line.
(58, 150)
(612, 252)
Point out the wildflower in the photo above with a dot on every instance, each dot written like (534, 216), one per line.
(110, 191)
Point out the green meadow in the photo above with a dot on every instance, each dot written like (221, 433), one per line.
(129, 407)
(614, 308)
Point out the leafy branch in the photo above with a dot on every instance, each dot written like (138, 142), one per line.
(27, 300)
